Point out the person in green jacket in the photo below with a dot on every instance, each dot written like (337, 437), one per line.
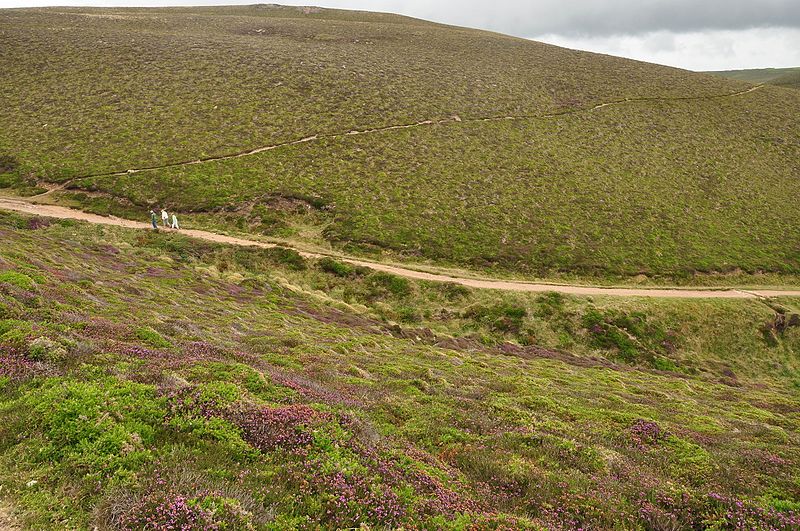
(154, 219)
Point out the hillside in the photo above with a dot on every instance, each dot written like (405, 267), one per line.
(148, 380)
(782, 77)
(345, 332)
(509, 166)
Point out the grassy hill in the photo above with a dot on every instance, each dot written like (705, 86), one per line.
(153, 381)
(788, 80)
(148, 380)
(676, 183)
(783, 77)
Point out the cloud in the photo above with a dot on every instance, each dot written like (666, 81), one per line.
(691, 34)
(707, 50)
(593, 17)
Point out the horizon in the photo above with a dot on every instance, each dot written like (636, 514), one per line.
(654, 34)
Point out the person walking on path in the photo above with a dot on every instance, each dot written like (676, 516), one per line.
(165, 218)
(154, 219)
(175, 221)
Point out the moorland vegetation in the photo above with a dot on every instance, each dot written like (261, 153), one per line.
(149, 380)
(783, 77)
(152, 380)
(687, 172)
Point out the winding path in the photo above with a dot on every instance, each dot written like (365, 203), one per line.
(424, 123)
(54, 211)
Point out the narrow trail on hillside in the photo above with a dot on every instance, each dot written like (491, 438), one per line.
(423, 123)
(504, 285)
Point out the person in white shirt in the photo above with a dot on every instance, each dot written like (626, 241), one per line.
(165, 218)
(175, 221)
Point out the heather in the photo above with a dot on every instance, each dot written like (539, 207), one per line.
(149, 381)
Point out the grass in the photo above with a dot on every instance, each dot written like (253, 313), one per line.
(274, 396)
(783, 77)
(666, 189)
(563, 204)
(310, 74)
(788, 80)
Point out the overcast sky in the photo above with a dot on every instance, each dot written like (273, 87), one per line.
(692, 34)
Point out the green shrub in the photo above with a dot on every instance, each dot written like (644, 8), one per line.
(269, 221)
(634, 337)
(781, 504)
(243, 376)
(504, 317)
(19, 280)
(7, 164)
(44, 349)
(550, 304)
(288, 257)
(664, 364)
(175, 244)
(220, 394)
(340, 269)
(608, 336)
(409, 314)
(314, 201)
(152, 338)
(227, 513)
(15, 332)
(688, 459)
(397, 286)
(9, 180)
(194, 414)
(7, 325)
(100, 430)
(453, 291)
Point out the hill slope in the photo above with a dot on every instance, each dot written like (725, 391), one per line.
(149, 381)
(677, 182)
(782, 77)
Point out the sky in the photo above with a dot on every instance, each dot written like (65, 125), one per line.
(691, 34)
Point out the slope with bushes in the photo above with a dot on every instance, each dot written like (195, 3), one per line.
(152, 380)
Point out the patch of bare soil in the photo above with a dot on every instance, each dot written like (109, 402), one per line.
(7, 520)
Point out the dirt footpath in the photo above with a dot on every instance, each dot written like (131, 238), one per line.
(54, 211)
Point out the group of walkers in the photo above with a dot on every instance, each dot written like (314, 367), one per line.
(164, 219)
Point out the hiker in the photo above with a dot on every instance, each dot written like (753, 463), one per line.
(165, 218)
(175, 221)
(154, 219)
